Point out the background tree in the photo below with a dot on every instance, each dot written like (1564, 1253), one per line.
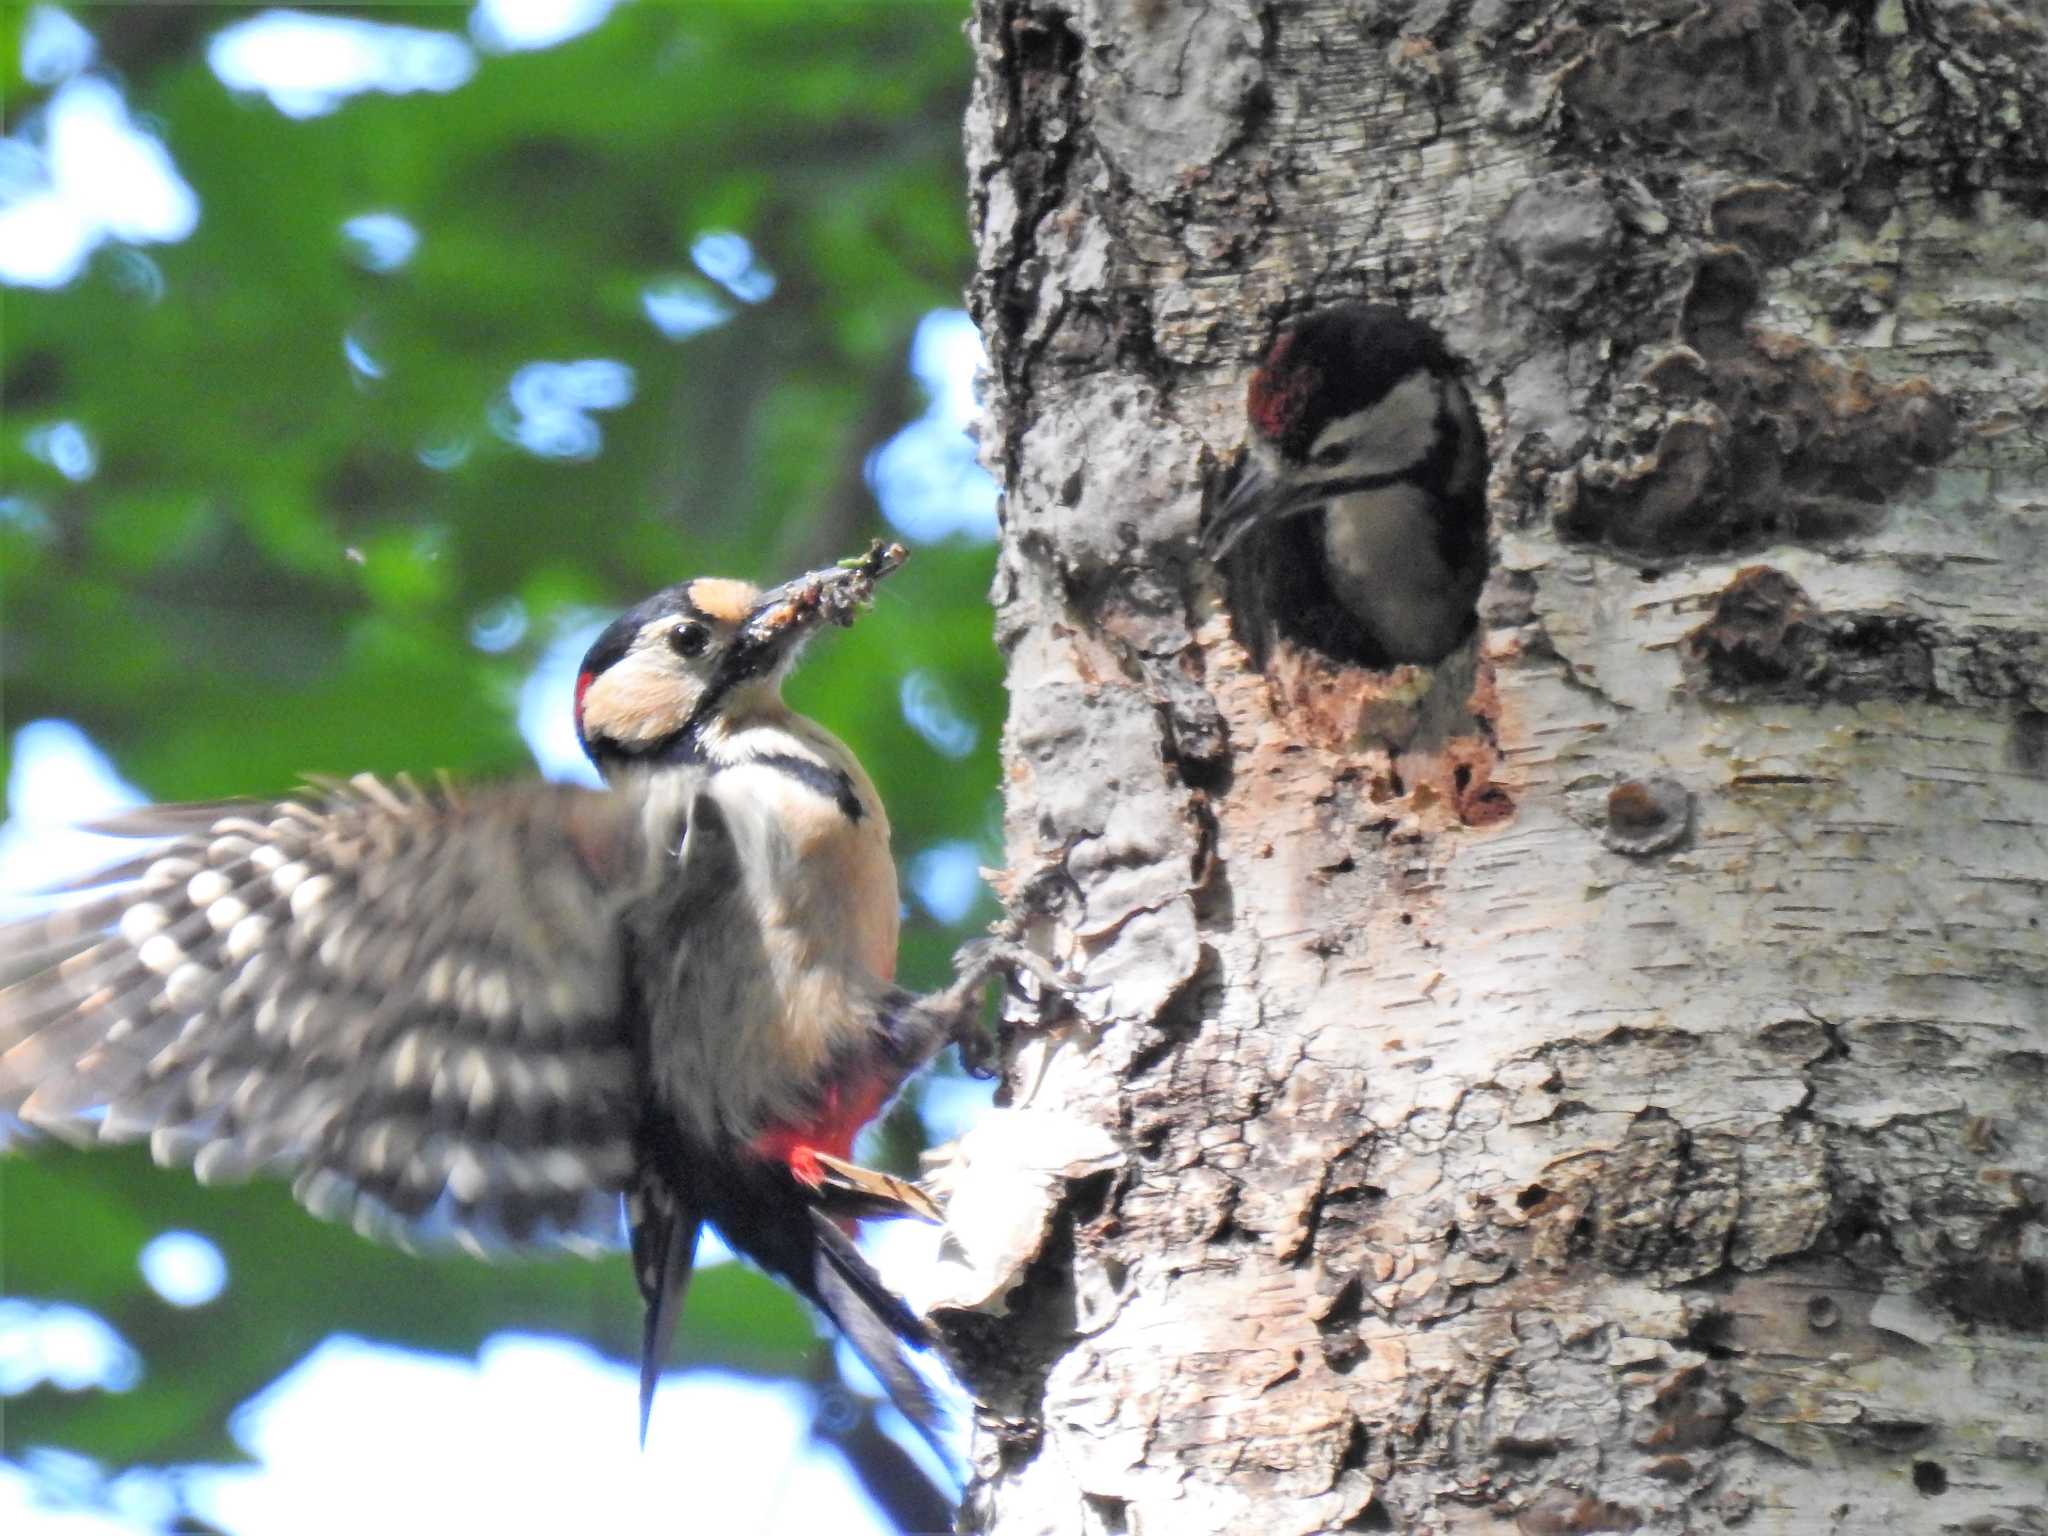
(1624, 1115)
(387, 353)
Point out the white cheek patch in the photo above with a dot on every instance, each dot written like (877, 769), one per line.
(1396, 432)
(637, 699)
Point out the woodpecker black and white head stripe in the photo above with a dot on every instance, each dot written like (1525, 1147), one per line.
(1336, 364)
(702, 656)
(658, 664)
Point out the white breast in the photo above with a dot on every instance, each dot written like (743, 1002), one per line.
(1381, 548)
(777, 981)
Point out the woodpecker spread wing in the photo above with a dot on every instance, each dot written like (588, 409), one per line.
(409, 999)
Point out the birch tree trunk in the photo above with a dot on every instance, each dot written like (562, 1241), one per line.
(1619, 1109)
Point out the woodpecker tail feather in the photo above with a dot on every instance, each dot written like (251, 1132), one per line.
(664, 1230)
(877, 1323)
(791, 1230)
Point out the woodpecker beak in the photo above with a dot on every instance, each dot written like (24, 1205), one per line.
(1260, 496)
(777, 626)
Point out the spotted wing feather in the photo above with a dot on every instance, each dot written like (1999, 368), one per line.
(409, 1000)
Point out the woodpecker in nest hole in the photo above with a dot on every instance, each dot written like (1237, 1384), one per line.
(1363, 488)
(485, 1015)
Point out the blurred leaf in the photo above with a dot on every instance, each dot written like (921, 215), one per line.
(74, 1225)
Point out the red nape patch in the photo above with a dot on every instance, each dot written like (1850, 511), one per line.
(583, 682)
(1279, 392)
(841, 1116)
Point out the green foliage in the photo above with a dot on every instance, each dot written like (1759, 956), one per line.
(277, 563)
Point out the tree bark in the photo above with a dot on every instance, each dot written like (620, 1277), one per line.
(1617, 1109)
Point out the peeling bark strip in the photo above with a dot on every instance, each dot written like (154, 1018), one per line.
(1600, 1089)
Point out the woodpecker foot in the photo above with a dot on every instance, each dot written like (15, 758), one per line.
(980, 961)
(977, 963)
(847, 1189)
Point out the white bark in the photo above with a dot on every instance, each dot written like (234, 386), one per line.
(1625, 1114)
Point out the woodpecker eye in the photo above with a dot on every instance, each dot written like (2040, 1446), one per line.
(689, 639)
(1331, 456)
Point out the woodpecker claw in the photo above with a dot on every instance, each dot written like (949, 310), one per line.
(977, 1054)
(977, 963)
(1006, 954)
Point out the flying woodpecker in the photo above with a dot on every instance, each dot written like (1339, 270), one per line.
(484, 1015)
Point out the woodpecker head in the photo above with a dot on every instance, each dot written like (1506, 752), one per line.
(1348, 399)
(705, 652)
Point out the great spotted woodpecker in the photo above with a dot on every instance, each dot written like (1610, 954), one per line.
(1365, 478)
(485, 1015)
